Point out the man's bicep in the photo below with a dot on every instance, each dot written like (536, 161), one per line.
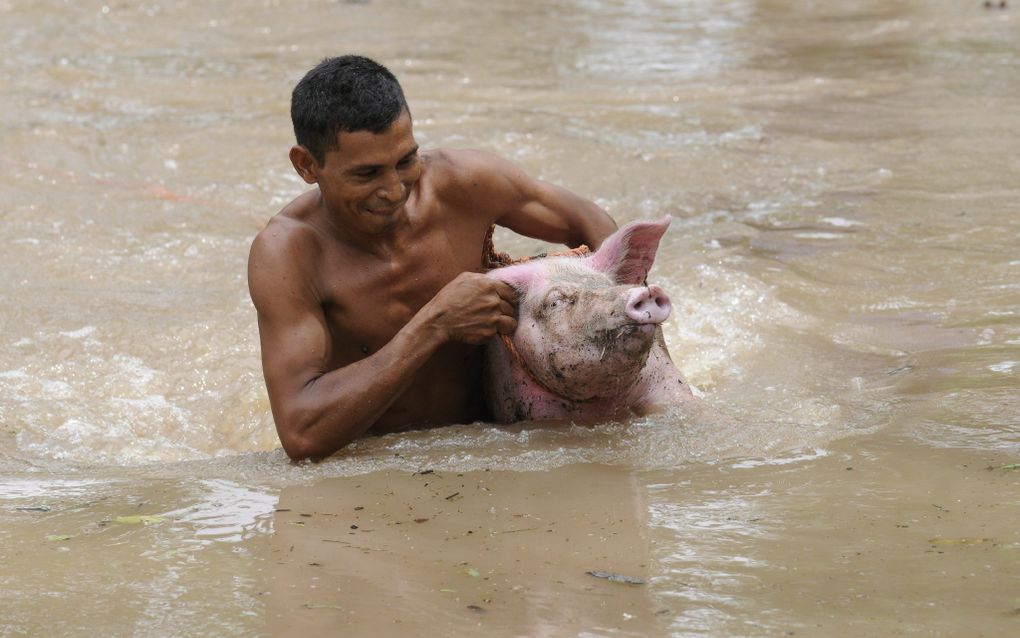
(510, 197)
(295, 347)
(544, 211)
(553, 213)
(514, 199)
(292, 330)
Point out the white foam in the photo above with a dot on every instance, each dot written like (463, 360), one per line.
(1004, 366)
(841, 222)
(818, 236)
(56, 389)
(80, 333)
(137, 372)
(817, 453)
(719, 321)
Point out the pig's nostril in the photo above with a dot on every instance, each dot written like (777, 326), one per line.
(648, 305)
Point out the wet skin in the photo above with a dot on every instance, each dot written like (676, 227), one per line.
(370, 305)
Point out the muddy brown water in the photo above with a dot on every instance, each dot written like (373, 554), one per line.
(844, 263)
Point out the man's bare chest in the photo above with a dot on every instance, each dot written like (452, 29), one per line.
(367, 302)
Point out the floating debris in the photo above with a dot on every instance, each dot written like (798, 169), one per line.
(139, 520)
(617, 578)
(939, 540)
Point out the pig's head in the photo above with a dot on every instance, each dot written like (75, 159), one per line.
(586, 324)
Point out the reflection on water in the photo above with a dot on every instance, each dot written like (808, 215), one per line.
(228, 512)
(131, 557)
(842, 262)
(30, 488)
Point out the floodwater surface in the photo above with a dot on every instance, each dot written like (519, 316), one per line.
(844, 264)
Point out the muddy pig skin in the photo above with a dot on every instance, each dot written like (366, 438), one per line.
(588, 343)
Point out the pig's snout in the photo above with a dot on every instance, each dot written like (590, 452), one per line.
(648, 305)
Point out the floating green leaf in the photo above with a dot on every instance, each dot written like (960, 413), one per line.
(59, 537)
(139, 520)
(472, 572)
(1010, 466)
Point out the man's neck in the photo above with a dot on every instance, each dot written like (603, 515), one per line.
(383, 241)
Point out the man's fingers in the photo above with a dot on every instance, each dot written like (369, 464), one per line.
(506, 325)
(506, 308)
(506, 291)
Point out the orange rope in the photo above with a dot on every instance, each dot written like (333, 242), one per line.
(492, 258)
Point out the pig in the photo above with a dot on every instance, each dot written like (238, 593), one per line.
(588, 344)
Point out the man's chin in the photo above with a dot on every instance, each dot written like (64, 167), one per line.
(394, 212)
(382, 220)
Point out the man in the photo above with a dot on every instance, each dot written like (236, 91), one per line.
(369, 298)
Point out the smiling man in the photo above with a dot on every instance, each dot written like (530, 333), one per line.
(370, 303)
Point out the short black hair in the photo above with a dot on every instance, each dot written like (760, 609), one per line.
(346, 93)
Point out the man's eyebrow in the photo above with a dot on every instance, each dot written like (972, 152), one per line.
(372, 167)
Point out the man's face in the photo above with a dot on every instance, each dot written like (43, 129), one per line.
(367, 180)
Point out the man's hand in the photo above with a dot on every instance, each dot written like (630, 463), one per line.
(473, 308)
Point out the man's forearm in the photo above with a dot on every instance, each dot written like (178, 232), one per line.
(334, 409)
(595, 226)
(586, 222)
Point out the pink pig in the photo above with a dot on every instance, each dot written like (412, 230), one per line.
(588, 343)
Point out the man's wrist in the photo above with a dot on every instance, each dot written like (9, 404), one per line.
(426, 330)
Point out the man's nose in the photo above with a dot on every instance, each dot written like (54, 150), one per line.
(392, 188)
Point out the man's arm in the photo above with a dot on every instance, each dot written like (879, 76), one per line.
(526, 205)
(317, 411)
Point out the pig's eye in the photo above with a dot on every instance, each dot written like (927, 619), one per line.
(557, 299)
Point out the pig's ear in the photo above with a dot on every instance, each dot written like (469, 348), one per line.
(519, 276)
(627, 255)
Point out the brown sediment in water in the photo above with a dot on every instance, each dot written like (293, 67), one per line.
(438, 553)
(873, 536)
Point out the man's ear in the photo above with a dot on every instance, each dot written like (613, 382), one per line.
(305, 164)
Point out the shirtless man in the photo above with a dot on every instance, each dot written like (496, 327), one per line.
(370, 305)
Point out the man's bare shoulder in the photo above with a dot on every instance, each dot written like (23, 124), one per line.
(462, 165)
(470, 176)
(288, 247)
